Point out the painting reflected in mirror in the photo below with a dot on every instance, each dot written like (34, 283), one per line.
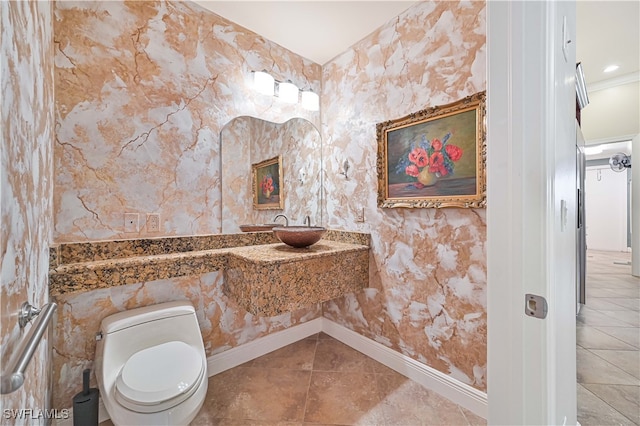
(249, 142)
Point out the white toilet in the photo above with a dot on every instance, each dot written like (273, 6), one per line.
(151, 366)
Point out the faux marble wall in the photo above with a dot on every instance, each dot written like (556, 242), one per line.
(428, 275)
(26, 154)
(142, 92)
(247, 141)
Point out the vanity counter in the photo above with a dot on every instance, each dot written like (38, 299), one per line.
(272, 279)
(250, 257)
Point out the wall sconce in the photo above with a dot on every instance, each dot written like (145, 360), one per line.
(286, 91)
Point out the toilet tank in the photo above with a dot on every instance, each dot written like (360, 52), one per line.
(131, 331)
(146, 314)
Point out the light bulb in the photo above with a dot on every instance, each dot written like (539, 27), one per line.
(288, 92)
(310, 101)
(263, 82)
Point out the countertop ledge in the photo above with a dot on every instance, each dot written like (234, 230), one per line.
(136, 260)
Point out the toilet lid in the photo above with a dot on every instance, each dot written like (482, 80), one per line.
(159, 373)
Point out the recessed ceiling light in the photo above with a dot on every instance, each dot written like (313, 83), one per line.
(611, 68)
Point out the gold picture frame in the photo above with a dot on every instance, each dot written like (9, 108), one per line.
(435, 157)
(267, 181)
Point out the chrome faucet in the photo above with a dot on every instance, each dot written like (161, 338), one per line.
(286, 219)
(307, 220)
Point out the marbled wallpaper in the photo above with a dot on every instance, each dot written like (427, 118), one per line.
(26, 156)
(142, 92)
(427, 295)
(247, 141)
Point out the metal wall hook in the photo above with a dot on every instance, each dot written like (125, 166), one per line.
(27, 313)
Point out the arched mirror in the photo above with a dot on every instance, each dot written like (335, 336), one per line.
(269, 169)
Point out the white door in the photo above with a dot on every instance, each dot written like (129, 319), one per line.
(531, 213)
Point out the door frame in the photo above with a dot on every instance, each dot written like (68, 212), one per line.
(531, 196)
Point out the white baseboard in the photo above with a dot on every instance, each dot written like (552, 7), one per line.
(460, 393)
(452, 389)
(261, 346)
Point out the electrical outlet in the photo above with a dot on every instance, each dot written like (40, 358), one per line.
(131, 221)
(153, 222)
(360, 215)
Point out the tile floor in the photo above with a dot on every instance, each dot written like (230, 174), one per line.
(608, 343)
(320, 380)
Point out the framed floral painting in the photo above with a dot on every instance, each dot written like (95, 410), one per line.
(435, 157)
(267, 184)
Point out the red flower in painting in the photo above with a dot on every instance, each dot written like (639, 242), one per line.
(267, 185)
(412, 170)
(437, 155)
(419, 157)
(436, 162)
(454, 152)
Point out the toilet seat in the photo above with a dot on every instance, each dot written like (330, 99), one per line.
(159, 377)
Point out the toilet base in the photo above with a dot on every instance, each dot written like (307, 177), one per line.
(181, 414)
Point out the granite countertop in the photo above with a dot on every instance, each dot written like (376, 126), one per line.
(81, 267)
(283, 253)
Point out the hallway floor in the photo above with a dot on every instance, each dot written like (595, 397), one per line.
(608, 343)
(320, 380)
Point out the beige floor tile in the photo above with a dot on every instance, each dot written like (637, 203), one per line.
(592, 411)
(407, 403)
(625, 399)
(628, 361)
(588, 316)
(297, 356)
(258, 394)
(594, 293)
(625, 302)
(592, 338)
(593, 369)
(632, 318)
(473, 419)
(629, 335)
(632, 293)
(343, 398)
(604, 304)
(332, 355)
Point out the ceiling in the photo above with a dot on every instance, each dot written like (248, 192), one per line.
(607, 31)
(316, 30)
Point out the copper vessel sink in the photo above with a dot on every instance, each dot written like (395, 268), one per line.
(258, 227)
(299, 236)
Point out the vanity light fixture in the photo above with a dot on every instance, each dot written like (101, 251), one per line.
(288, 92)
(310, 100)
(263, 82)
